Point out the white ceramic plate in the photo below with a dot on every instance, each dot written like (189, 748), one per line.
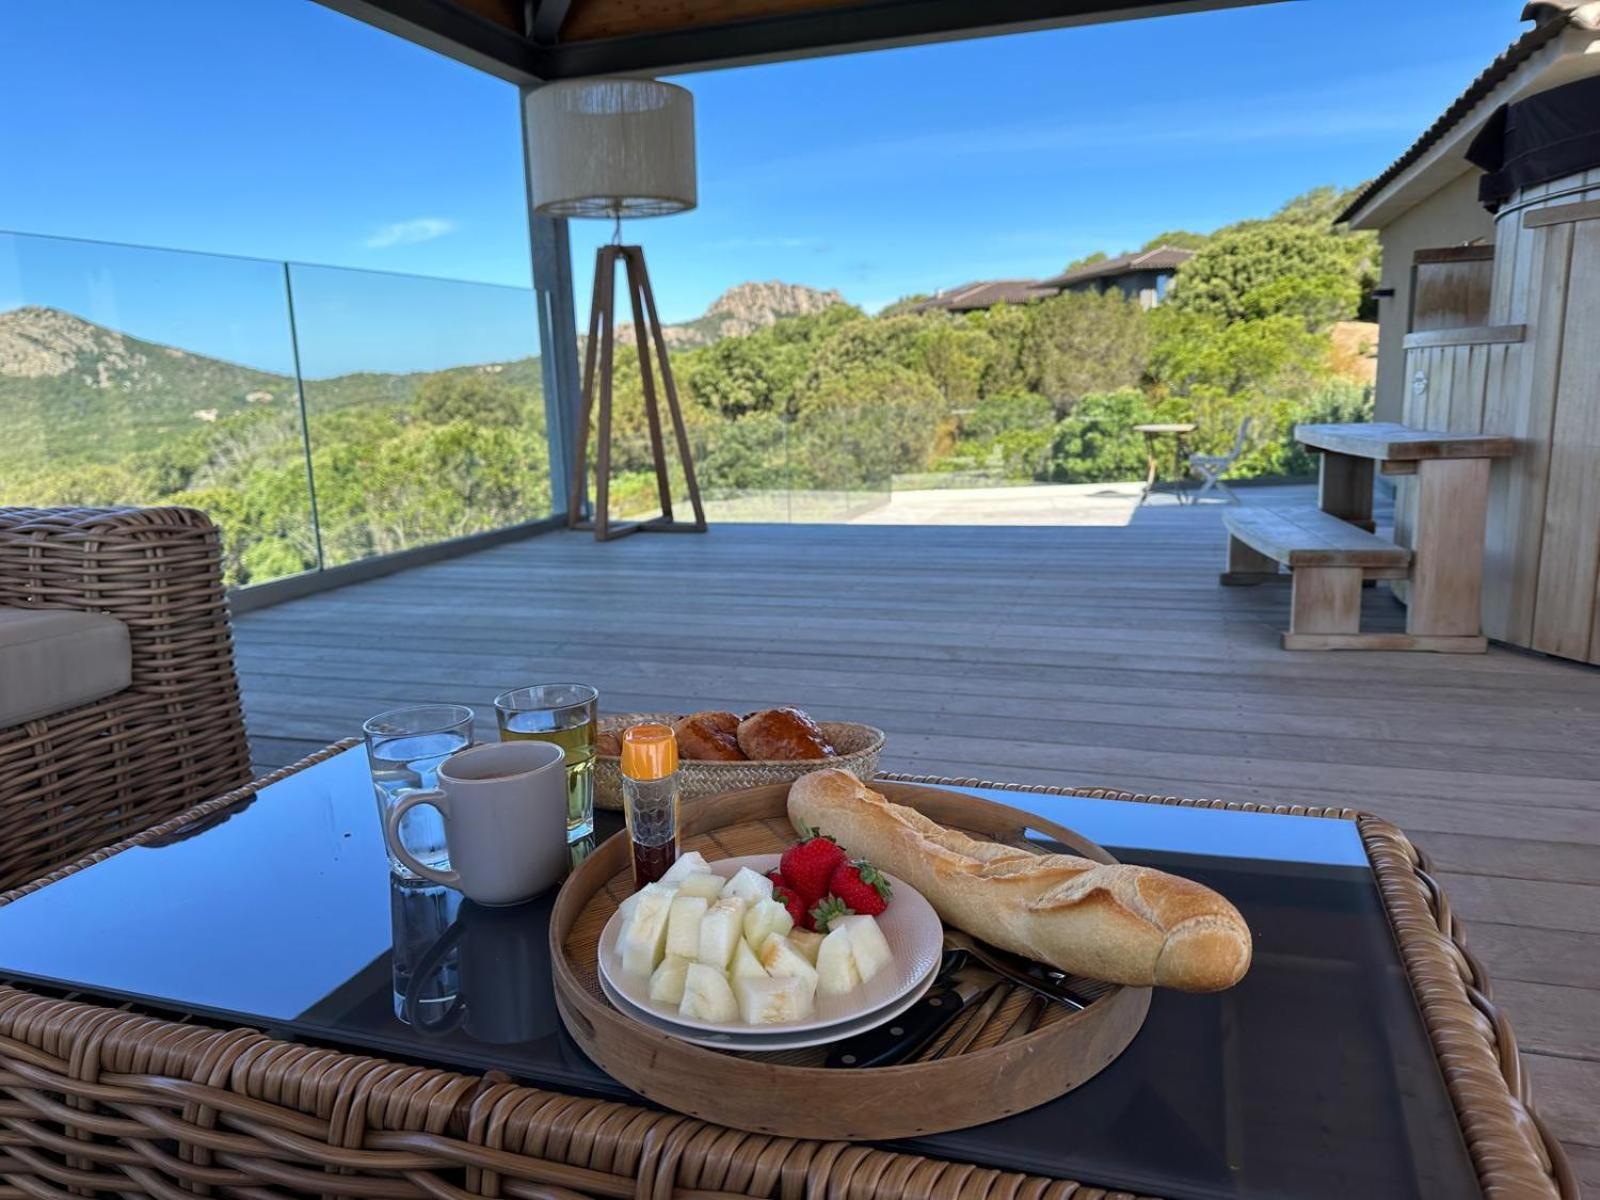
(764, 1042)
(910, 926)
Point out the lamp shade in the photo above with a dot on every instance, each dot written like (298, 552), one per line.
(611, 148)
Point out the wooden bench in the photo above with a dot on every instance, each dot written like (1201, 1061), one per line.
(1328, 558)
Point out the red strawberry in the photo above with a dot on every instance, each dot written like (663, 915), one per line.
(784, 895)
(808, 865)
(777, 878)
(862, 887)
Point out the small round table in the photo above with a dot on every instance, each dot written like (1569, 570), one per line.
(1180, 455)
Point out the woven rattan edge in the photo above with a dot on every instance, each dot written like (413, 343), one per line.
(112, 1101)
(1513, 1150)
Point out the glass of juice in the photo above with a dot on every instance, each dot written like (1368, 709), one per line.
(404, 749)
(563, 713)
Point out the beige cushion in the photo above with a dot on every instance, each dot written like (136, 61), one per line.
(53, 659)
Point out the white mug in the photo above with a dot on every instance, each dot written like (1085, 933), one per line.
(505, 821)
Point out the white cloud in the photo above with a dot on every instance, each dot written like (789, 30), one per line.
(407, 233)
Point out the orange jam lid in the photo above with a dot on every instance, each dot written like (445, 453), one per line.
(649, 751)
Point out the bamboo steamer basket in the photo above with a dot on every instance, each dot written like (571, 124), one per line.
(859, 748)
(1006, 1055)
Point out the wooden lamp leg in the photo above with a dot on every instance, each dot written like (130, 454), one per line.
(597, 372)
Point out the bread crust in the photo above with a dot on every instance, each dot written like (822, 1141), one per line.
(1123, 924)
(782, 734)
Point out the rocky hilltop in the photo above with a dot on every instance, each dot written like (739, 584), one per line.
(740, 310)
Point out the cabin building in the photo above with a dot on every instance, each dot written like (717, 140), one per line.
(1490, 225)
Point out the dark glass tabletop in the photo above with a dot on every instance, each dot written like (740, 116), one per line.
(1312, 1078)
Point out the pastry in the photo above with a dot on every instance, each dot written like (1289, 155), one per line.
(709, 736)
(784, 734)
(1120, 923)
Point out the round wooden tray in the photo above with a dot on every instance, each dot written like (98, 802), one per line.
(1009, 1054)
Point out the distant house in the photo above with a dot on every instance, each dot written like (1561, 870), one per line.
(1144, 276)
(971, 297)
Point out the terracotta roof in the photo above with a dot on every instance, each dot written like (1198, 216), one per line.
(1554, 20)
(986, 294)
(1162, 258)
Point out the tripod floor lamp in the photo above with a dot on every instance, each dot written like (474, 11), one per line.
(618, 148)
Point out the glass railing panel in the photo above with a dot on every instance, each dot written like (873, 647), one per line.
(138, 376)
(425, 407)
(843, 458)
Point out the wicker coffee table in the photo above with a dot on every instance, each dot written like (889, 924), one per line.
(210, 1008)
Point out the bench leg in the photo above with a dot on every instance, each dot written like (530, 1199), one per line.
(1326, 601)
(1344, 488)
(1246, 565)
(1447, 566)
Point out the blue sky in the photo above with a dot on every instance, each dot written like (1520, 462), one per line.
(282, 130)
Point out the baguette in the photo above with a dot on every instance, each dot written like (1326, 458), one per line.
(1122, 924)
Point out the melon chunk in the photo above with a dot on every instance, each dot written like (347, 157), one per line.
(807, 941)
(666, 983)
(749, 886)
(685, 865)
(745, 964)
(768, 1001)
(869, 949)
(707, 996)
(644, 939)
(836, 967)
(703, 884)
(720, 931)
(780, 958)
(683, 926)
(764, 917)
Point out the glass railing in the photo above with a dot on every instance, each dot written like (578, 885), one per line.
(319, 415)
(763, 468)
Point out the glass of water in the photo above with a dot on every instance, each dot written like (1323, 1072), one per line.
(565, 714)
(404, 749)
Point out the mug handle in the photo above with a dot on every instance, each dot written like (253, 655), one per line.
(391, 831)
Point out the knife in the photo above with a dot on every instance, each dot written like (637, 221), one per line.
(902, 1037)
(1024, 972)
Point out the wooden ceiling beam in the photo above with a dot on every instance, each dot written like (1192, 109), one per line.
(532, 40)
(593, 20)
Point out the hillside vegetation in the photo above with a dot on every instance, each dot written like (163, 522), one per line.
(784, 388)
(1047, 391)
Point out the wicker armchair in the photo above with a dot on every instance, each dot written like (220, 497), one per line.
(78, 779)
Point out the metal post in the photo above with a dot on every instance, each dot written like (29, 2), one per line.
(558, 332)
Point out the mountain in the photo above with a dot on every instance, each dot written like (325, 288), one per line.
(743, 308)
(72, 390)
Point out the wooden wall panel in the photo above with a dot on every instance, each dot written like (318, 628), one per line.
(1570, 553)
(1450, 288)
(1524, 407)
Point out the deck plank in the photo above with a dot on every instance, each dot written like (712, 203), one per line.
(1099, 656)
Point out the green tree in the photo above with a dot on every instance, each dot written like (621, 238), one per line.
(1180, 239)
(1244, 274)
(1082, 342)
(456, 396)
(1097, 443)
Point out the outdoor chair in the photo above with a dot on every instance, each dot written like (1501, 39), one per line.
(1210, 468)
(119, 705)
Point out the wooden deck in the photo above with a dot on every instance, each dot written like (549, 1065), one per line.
(1083, 656)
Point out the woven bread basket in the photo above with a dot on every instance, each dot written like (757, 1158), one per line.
(858, 746)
